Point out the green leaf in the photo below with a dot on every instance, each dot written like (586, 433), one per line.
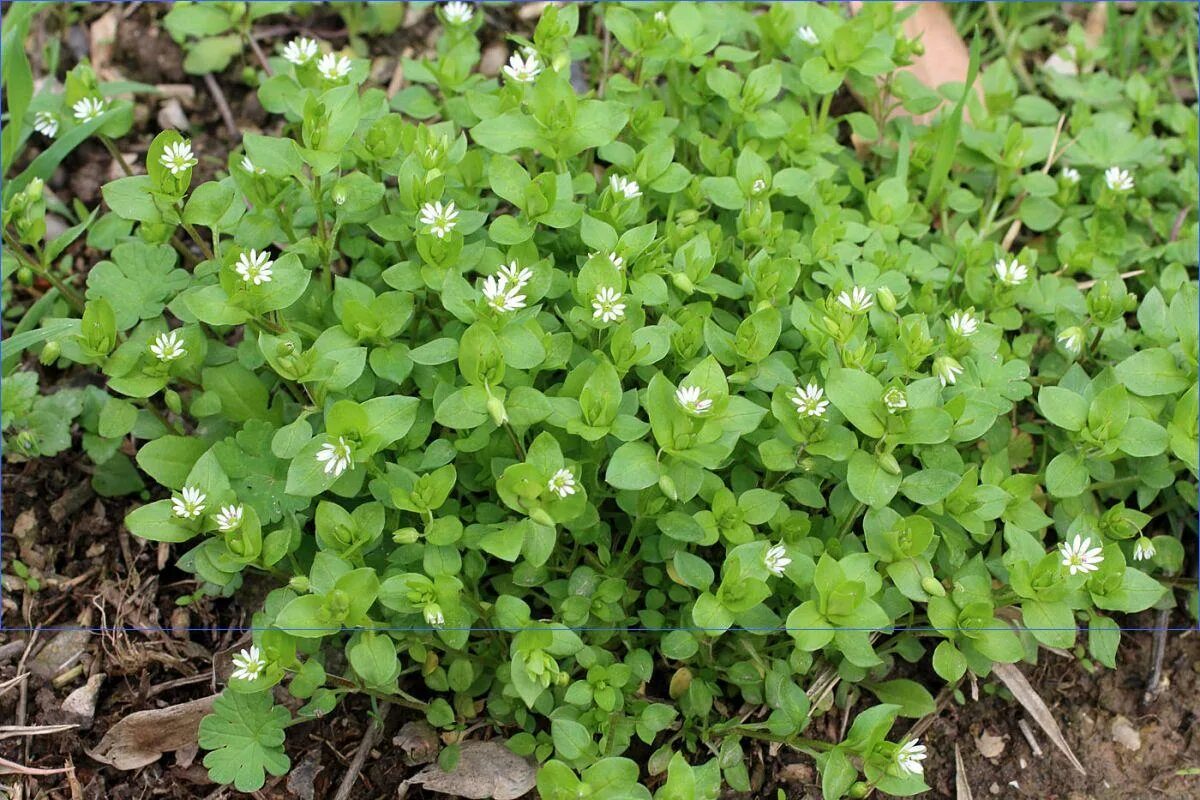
(1152, 372)
(169, 459)
(245, 733)
(869, 482)
(858, 396)
(632, 466)
(1063, 407)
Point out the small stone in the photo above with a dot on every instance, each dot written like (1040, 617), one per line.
(60, 653)
(171, 116)
(1124, 734)
(80, 704)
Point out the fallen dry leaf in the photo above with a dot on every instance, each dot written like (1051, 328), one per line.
(1018, 684)
(418, 742)
(142, 737)
(962, 788)
(989, 745)
(485, 770)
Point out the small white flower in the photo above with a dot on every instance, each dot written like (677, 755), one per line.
(659, 16)
(333, 67)
(523, 70)
(458, 13)
(692, 399)
(1072, 339)
(1117, 179)
(759, 186)
(89, 108)
(807, 35)
(168, 346)
(895, 400)
(562, 483)
(515, 274)
(433, 615)
(440, 219)
(300, 51)
(857, 301)
(336, 456)
(810, 400)
(776, 560)
(249, 663)
(254, 267)
(947, 370)
(1080, 556)
(177, 157)
(964, 323)
(1012, 272)
(623, 186)
(190, 503)
(339, 196)
(248, 165)
(229, 518)
(606, 305)
(500, 296)
(1069, 174)
(909, 757)
(616, 261)
(45, 123)
(1143, 550)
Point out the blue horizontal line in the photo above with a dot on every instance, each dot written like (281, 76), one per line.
(431, 629)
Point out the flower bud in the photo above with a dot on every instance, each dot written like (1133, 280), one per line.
(933, 587)
(889, 464)
(173, 401)
(25, 276)
(406, 536)
(299, 583)
(540, 516)
(667, 487)
(495, 408)
(681, 681)
(682, 282)
(689, 216)
(50, 352)
(887, 300)
(859, 789)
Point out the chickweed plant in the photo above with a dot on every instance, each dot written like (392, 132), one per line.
(640, 416)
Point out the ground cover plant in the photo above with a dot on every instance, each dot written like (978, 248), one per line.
(636, 404)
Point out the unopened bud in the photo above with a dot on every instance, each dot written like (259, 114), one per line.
(667, 487)
(50, 352)
(889, 464)
(887, 300)
(932, 586)
(682, 282)
(299, 583)
(406, 536)
(173, 401)
(495, 407)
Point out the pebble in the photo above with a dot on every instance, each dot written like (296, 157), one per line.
(1124, 734)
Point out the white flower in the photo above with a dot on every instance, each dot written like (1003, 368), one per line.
(458, 13)
(168, 346)
(500, 296)
(947, 370)
(909, 757)
(807, 35)
(336, 456)
(659, 16)
(562, 483)
(439, 218)
(616, 261)
(229, 517)
(624, 186)
(190, 504)
(810, 401)
(1069, 174)
(248, 165)
(776, 560)
(254, 267)
(45, 123)
(1080, 556)
(300, 51)
(333, 67)
(1072, 339)
(858, 301)
(1012, 272)
(692, 399)
(89, 108)
(177, 157)
(759, 186)
(963, 323)
(515, 274)
(249, 663)
(895, 400)
(606, 306)
(433, 615)
(1143, 550)
(1117, 179)
(523, 70)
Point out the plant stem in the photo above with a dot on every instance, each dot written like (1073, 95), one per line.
(65, 289)
(115, 153)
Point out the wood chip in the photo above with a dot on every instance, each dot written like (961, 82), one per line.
(1019, 685)
(989, 745)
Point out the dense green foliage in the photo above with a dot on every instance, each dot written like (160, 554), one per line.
(609, 415)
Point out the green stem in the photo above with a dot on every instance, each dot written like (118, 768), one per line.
(68, 293)
(115, 153)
